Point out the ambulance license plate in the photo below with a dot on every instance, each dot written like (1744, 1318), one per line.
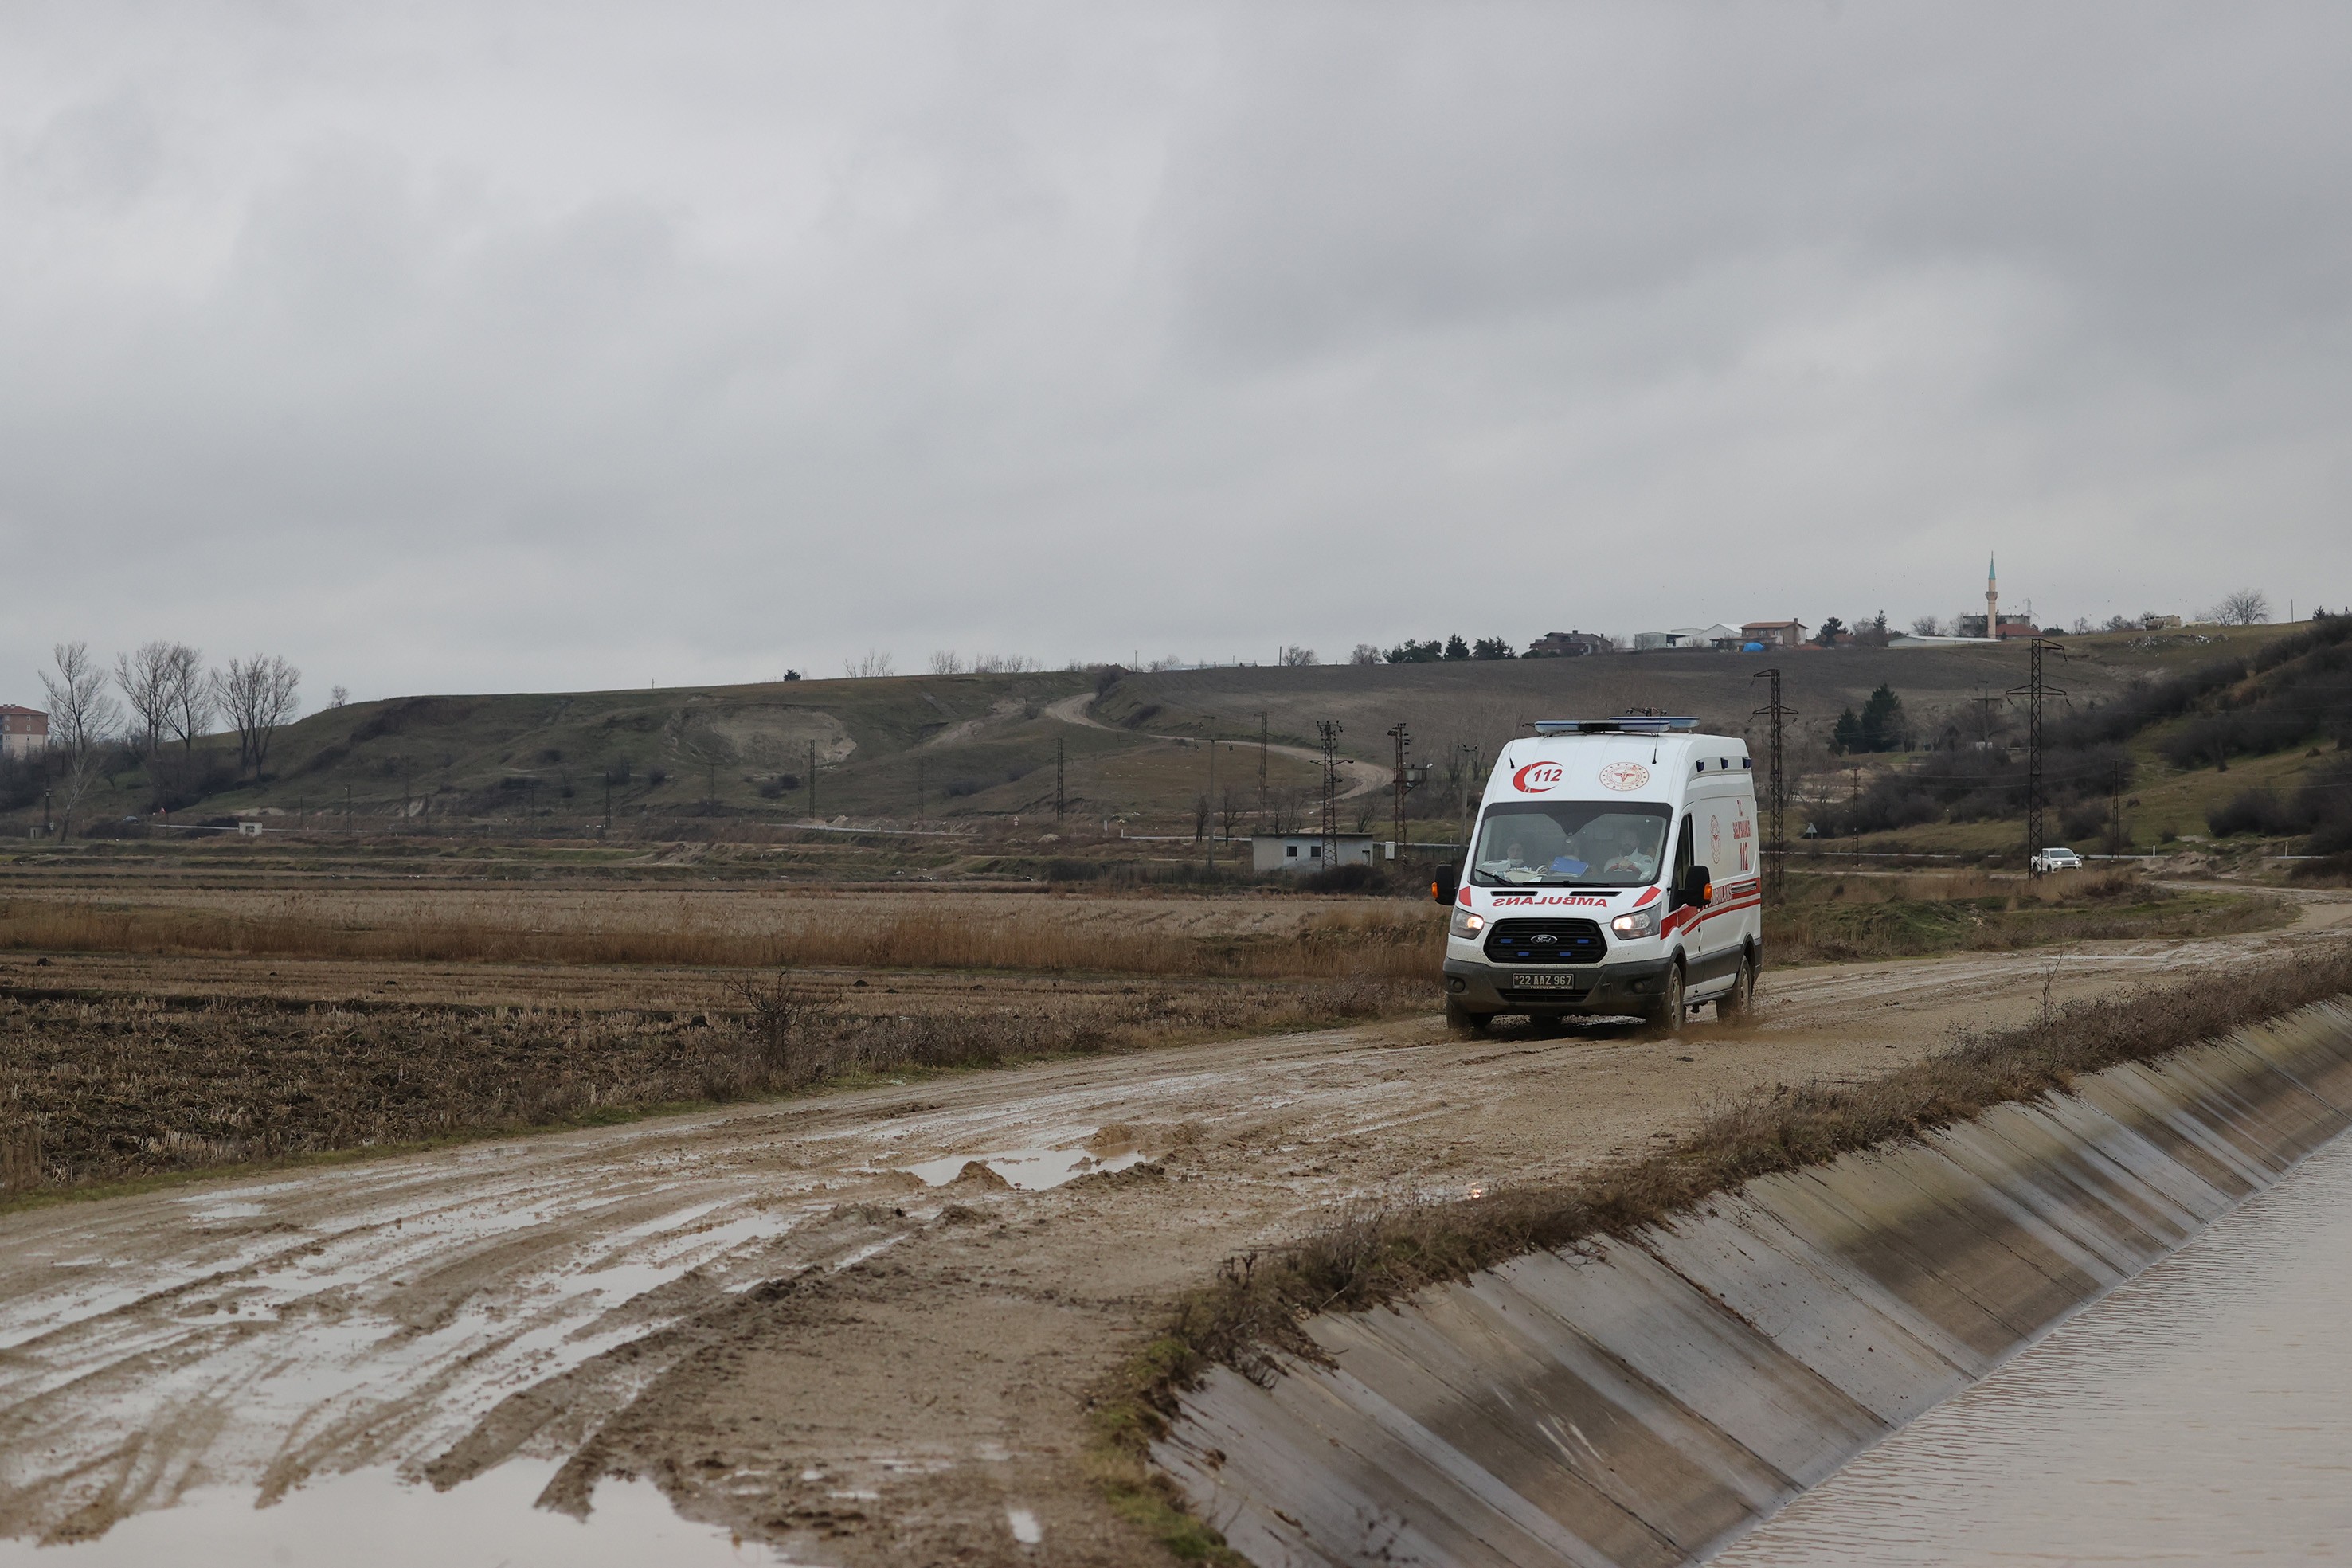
(1549, 980)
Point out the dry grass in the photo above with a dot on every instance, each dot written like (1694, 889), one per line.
(107, 1090)
(1342, 944)
(1256, 1304)
(1905, 917)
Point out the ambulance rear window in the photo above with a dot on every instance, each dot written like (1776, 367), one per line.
(1570, 843)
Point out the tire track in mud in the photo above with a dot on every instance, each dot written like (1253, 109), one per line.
(760, 1309)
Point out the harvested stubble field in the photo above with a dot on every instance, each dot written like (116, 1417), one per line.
(1262, 936)
(107, 1088)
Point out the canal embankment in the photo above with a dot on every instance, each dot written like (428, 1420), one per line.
(1666, 1356)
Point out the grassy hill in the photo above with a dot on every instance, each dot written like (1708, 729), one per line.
(967, 747)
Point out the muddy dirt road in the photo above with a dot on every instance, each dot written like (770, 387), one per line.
(860, 1327)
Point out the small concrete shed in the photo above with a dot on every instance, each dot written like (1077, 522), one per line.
(1304, 851)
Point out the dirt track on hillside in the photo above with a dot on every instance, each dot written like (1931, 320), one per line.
(772, 1312)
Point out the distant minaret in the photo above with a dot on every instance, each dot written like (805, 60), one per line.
(1992, 600)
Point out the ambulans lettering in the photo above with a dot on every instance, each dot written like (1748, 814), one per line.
(1521, 900)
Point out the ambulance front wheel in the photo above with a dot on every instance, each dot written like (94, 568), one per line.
(1668, 1016)
(1465, 1021)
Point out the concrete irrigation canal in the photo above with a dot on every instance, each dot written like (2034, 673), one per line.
(1648, 1401)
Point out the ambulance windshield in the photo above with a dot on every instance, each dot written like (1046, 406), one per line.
(1570, 843)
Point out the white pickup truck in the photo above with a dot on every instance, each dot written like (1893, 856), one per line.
(2056, 857)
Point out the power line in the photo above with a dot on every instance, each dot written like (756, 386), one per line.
(1329, 729)
(2034, 691)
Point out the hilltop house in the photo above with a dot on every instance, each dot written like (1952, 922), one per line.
(1774, 634)
(23, 731)
(1566, 645)
(1718, 636)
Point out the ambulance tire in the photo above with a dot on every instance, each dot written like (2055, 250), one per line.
(1667, 1017)
(1737, 1005)
(1462, 1020)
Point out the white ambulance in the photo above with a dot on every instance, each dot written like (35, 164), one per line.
(1615, 869)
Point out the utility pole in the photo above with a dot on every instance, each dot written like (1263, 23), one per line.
(1776, 799)
(1061, 799)
(2034, 691)
(347, 810)
(2116, 809)
(812, 781)
(1471, 786)
(1329, 730)
(1261, 768)
(1211, 823)
(1403, 739)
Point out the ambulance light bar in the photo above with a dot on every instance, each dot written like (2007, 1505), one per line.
(1630, 724)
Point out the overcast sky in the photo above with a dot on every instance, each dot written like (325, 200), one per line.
(499, 346)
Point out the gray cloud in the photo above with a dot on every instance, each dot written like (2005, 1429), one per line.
(529, 346)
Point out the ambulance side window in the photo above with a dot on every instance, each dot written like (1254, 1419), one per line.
(1686, 849)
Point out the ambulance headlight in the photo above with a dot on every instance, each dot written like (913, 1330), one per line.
(1466, 923)
(1639, 923)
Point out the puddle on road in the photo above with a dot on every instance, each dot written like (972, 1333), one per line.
(1030, 1170)
(369, 1518)
(1096, 1152)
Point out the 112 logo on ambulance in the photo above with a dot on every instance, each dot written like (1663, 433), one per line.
(1537, 777)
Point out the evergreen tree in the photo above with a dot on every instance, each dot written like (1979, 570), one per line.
(1847, 734)
(1456, 648)
(1882, 728)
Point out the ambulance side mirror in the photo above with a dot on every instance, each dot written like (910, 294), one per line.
(1442, 889)
(1698, 887)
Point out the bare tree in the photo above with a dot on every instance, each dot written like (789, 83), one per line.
(81, 719)
(947, 661)
(145, 678)
(1202, 812)
(1232, 808)
(1926, 626)
(338, 696)
(188, 696)
(258, 695)
(2247, 607)
(875, 663)
(1365, 653)
(1296, 657)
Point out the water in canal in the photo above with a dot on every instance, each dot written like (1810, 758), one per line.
(2202, 1413)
